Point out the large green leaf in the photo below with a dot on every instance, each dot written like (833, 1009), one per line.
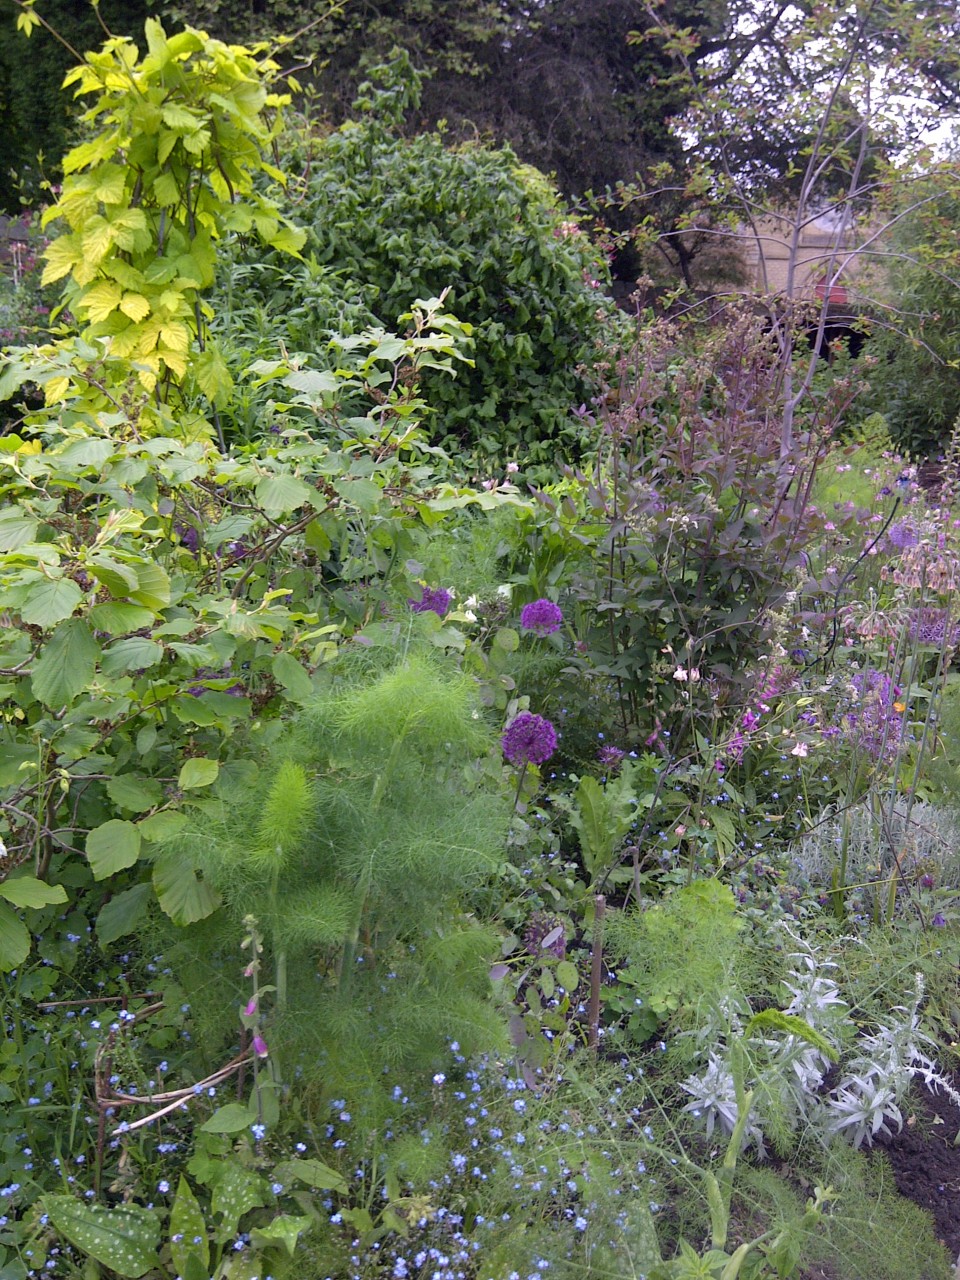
(284, 1230)
(188, 1231)
(237, 1191)
(312, 1173)
(133, 654)
(153, 589)
(67, 664)
(28, 891)
(134, 792)
(118, 617)
(123, 913)
(49, 601)
(182, 895)
(198, 772)
(293, 677)
(234, 1117)
(16, 528)
(112, 847)
(14, 939)
(281, 493)
(125, 1239)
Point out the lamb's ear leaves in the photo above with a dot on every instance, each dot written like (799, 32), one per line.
(125, 1239)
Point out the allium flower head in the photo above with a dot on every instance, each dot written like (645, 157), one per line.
(932, 626)
(903, 535)
(611, 756)
(437, 602)
(542, 617)
(529, 739)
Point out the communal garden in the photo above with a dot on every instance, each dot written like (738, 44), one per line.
(480, 799)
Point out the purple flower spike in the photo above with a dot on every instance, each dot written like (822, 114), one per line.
(437, 602)
(542, 617)
(529, 739)
(260, 1047)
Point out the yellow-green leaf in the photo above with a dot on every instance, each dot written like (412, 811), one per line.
(99, 300)
(135, 305)
(61, 256)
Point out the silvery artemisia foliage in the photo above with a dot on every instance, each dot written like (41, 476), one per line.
(788, 1072)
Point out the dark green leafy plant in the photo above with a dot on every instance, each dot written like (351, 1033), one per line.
(395, 218)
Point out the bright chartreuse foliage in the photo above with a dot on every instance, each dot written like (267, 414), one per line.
(180, 138)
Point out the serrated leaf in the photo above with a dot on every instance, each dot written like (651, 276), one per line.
(182, 895)
(198, 772)
(281, 493)
(50, 601)
(186, 1228)
(67, 664)
(123, 913)
(161, 826)
(112, 847)
(118, 578)
(99, 300)
(118, 618)
(125, 1238)
(28, 891)
(135, 305)
(14, 939)
(61, 256)
(312, 382)
(16, 529)
(134, 792)
(133, 654)
(153, 586)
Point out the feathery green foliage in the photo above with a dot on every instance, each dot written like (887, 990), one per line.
(354, 851)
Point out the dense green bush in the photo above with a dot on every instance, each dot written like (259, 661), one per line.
(391, 219)
(916, 383)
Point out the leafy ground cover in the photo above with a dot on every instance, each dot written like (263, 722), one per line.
(420, 865)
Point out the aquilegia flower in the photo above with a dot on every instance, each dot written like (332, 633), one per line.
(437, 602)
(529, 739)
(542, 617)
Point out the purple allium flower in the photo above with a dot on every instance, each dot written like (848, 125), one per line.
(437, 602)
(542, 617)
(929, 626)
(189, 537)
(903, 536)
(529, 739)
(541, 925)
(611, 757)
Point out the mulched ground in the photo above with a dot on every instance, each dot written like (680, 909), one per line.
(926, 1163)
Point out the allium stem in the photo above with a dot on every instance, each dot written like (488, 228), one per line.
(596, 972)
